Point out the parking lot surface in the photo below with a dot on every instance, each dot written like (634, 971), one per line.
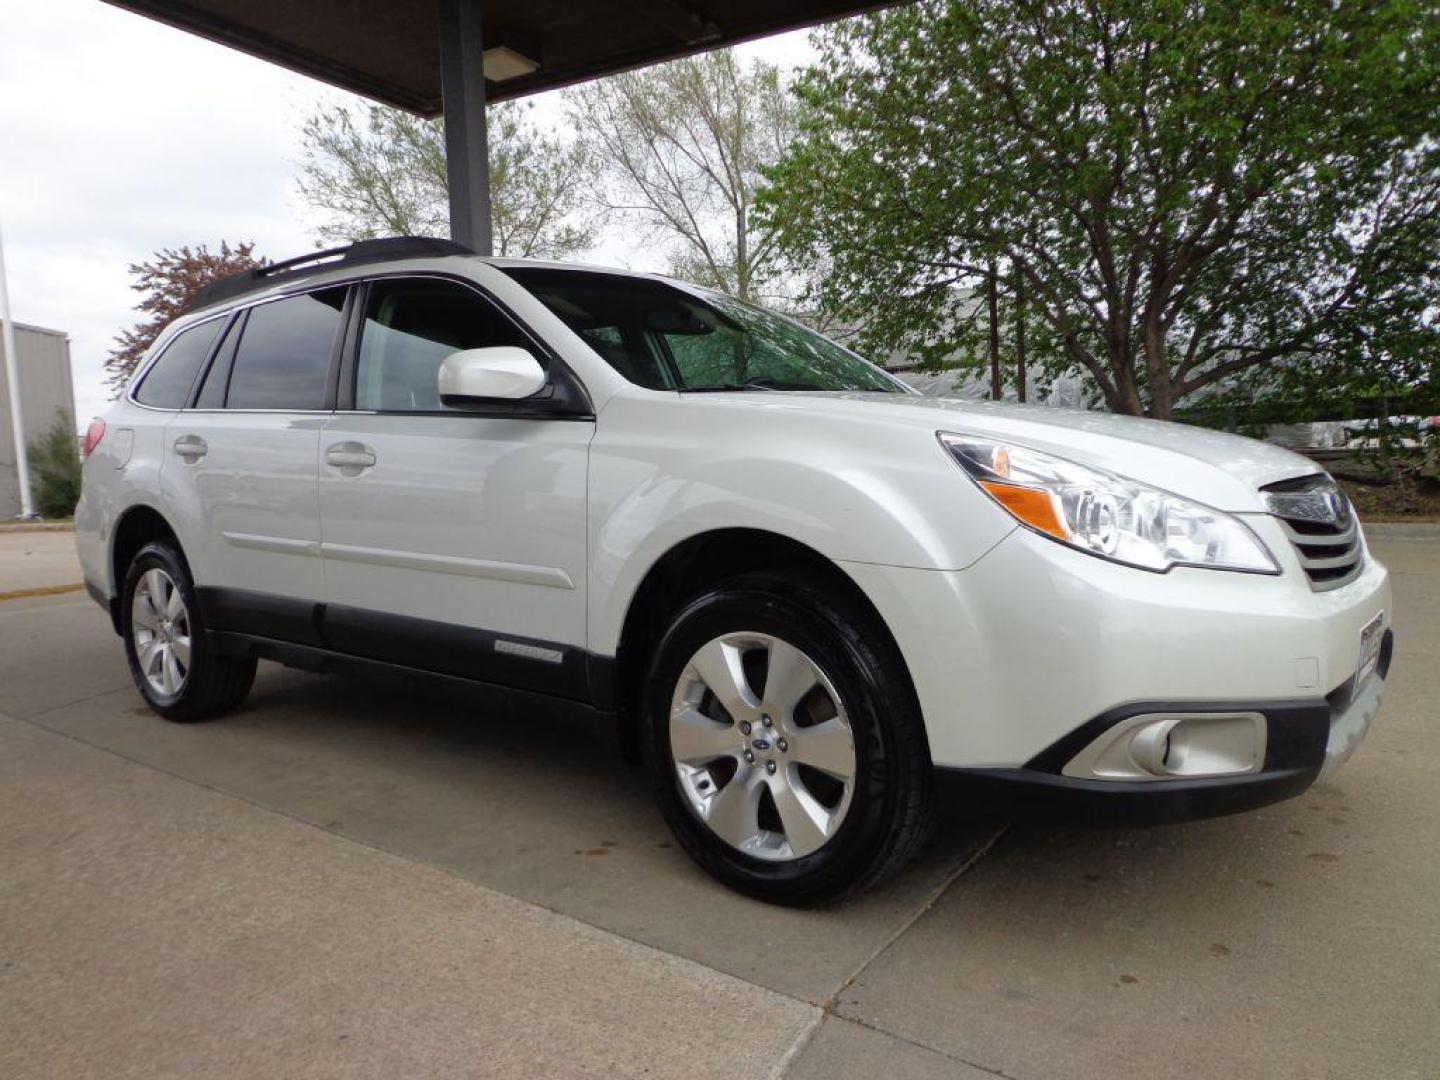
(343, 880)
(36, 560)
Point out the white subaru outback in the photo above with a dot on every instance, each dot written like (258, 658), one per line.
(804, 592)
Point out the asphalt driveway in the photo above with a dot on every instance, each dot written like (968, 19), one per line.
(340, 880)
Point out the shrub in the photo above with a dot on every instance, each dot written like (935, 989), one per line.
(55, 468)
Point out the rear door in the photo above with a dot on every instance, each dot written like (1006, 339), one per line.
(453, 540)
(241, 472)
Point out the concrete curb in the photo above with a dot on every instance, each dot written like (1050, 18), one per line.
(37, 526)
(40, 590)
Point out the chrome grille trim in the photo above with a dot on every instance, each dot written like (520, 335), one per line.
(1320, 524)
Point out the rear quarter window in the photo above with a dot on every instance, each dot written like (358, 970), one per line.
(167, 384)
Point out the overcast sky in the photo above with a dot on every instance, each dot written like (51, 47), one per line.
(120, 136)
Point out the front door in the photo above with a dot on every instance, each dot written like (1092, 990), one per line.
(452, 541)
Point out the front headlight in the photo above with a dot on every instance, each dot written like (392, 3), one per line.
(1104, 514)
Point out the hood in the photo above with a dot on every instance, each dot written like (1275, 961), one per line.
(1221, 470)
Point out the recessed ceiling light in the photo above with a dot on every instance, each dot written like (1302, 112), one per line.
(503, 62)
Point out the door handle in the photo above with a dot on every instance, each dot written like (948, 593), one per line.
(350, 455)
(191, 448)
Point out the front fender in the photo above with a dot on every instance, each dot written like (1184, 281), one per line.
(664, 470)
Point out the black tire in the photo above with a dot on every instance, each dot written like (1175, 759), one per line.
(890, 808)
(213, 685)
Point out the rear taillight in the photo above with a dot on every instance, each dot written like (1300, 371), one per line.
(93, 437)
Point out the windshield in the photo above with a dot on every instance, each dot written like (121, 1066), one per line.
(664, 338)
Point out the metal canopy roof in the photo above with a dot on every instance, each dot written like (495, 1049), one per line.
(390, 51)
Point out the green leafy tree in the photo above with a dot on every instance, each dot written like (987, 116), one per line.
(375, 171)
(55, 468)
(169, 282)
(681, 149)
(1187, 191)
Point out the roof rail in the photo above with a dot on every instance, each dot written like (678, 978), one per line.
(361, 251)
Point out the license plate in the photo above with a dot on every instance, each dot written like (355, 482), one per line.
(1370, 638)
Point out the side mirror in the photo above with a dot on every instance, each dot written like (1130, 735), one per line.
(499, 373)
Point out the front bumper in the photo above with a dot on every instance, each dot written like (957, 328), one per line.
(1305, 741)
(1015, 652)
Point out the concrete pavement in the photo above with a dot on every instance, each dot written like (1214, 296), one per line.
(156, 928)
(37, 559)
(371, 837)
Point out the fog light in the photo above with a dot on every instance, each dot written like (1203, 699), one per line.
(1150, 746)
(1174, 746)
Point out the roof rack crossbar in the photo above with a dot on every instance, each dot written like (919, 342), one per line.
(380, 249)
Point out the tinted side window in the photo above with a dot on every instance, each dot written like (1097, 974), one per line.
(717, 358)
(167, 386)
(283, 360)
(410, 327)
(214, 381)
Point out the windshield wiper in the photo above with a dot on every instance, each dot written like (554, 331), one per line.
(760, 382)
(727, 388)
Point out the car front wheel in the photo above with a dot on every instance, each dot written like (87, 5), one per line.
(788, 752)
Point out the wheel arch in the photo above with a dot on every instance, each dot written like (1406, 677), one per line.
(685, 571)
(139, 525)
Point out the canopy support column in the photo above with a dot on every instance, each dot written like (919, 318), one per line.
(467, 152)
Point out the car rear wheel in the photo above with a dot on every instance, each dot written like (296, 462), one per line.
(786, 744)
(170, 658)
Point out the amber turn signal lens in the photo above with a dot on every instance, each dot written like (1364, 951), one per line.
(1033, 506)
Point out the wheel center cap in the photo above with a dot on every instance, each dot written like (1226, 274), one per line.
(760, 744)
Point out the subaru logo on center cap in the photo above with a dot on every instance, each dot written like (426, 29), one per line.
(761, 744)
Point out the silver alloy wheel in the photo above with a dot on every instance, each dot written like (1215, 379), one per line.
(160, 623)
(731, 745)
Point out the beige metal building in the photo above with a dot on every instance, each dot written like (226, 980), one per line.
(43, 360)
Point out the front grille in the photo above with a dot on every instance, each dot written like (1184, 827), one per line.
(1320, 522)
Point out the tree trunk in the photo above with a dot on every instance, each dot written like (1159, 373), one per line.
(993, 300)
(1020, 339)
(1127, 394)
(742, 290)
(742, 254)
(1157, 369)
